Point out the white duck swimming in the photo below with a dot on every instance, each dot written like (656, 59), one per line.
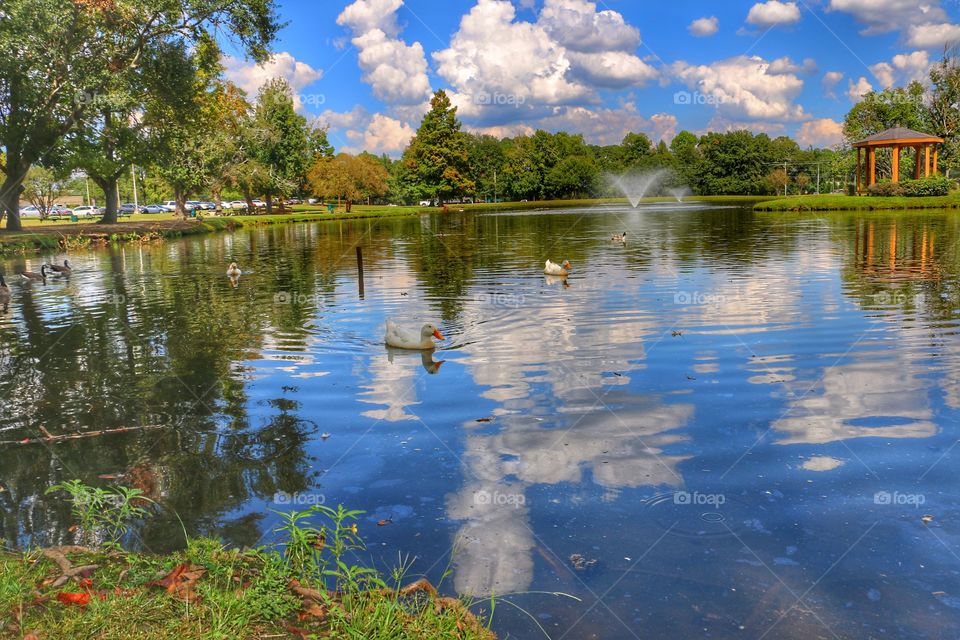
(554, 269)
(233, 271)
(405, 338)
(620, 237)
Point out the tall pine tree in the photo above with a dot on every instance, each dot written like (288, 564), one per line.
(436, 159)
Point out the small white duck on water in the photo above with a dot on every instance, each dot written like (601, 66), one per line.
(233, 271)
(406, 338)
(554, 269)
(620, 237)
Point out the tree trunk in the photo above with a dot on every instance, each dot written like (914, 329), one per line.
(349, 205)
(217, 201)
(249, 198)
(181, 199)
(109, 186)
(10, 200)
(269, 204)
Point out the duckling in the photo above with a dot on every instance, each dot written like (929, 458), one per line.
(620, 237)
(65, 270)
(33, 275)
(233, 271)
(4, 293)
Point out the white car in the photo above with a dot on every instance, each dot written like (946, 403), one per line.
(226, 205)
(238, 204)
(30, 212)
(170, 205)
(259, 203)
(87, 211)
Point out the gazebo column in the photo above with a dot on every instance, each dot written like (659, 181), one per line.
(916, 163)
(926, 160)
(871, 166)
(859, 172)
(895, 165)
(936, 158)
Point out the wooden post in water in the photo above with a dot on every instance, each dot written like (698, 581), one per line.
(360, 269)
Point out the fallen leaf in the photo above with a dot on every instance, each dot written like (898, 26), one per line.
(73, 529)
(79, 599)
(107, 476)
(927, 519)
(383, 523)
(31, 636)
(939, 594)
(181, 581)
(484, 419)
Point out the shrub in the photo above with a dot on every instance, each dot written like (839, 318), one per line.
(887, 188)
(932, 186)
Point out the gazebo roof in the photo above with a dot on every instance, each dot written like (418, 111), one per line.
(896, 135)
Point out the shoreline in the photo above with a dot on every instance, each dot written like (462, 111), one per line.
(838, 202)
(59, 236)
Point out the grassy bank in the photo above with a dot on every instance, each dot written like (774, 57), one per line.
(854, 203)
(310, 585)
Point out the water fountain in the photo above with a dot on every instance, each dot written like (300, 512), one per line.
(680, 193)
(635, 186)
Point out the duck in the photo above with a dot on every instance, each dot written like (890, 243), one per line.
(620, 237)
(4, 293)
(65, 270)
(233, 271)
(554, 269)
(406, 338)
(33, 275)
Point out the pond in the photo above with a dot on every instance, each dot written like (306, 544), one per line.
(733, 425)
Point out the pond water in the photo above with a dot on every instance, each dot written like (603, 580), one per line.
(732, 426)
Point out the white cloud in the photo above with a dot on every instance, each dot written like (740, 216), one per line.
(881, 16)
(772, 13)
(358, 130)
(932, 36)
(830, 81)
(704, 27)
(611, 69)
(745, 87)
(822, 132)
(387, 135)
(578, 26)
(856, 90)
(396, 71)
(250, 77)
(903, 68)
(786, 65)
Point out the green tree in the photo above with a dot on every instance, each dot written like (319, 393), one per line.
(436, 159)
(348, 177)
(945, 110)
(56, 54)
(282, 140)
(43, 186)
(573, 176)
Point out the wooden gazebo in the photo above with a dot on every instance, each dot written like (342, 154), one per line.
(896, 139)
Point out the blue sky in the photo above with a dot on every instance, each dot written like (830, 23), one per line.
(366, 68)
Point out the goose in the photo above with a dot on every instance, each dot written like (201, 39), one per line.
(4, 293)
(33, 275)
(233, 270)
(622, 237)
(65, 270)
(406, 338)
(554, 269)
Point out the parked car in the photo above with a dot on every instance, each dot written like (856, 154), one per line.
(60, 210)
(313, 200)
(153, 208)
(207, 206)
(259, 203)
(127, 209)
(192, 204)
(30, 212)
(87, 211)
(224, 204)
(239, 205)
(294, 201)
(170, 205)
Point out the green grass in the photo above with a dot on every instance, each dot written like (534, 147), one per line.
(239, 594)
(853, 203)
